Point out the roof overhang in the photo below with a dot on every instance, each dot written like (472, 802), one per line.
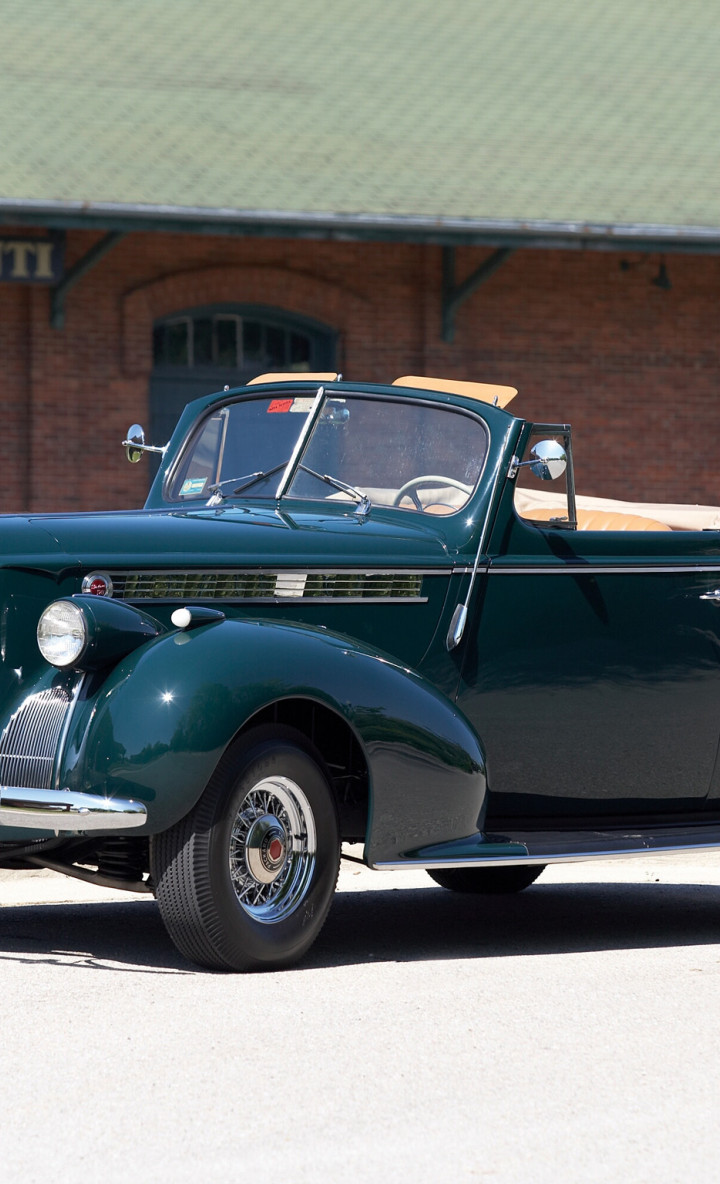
(365, 227)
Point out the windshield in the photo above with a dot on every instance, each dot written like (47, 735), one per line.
(385, 451)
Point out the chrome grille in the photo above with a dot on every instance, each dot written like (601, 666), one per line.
(29, 742)
(246, 585)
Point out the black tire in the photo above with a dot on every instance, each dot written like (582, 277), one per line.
(246, 879)
(491, 880)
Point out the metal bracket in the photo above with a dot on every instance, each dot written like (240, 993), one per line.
(452, 296)
(88, 261)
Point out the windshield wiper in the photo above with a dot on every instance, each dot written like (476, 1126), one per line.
(362, 499)
(217, 489)
(250, 479)
(255, 477)
(246, 482)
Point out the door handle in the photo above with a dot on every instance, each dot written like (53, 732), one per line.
(712, 596)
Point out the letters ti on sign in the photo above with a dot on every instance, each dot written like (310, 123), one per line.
(31, 260)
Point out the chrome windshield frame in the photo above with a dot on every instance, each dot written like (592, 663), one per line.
(300, 443)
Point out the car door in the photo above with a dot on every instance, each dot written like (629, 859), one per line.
(592, 670)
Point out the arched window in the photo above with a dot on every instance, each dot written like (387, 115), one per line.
(197, 351)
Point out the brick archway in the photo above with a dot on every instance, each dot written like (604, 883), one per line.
(287, 290)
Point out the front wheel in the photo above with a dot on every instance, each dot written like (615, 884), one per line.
(245, 881)
(494, 880)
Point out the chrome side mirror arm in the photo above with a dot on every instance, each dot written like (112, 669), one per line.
(135, 444)
(548, 461)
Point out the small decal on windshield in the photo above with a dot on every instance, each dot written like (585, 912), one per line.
(302, 404)
(279, 405)
(192, 485)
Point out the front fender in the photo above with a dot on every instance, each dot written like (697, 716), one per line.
(158, 725)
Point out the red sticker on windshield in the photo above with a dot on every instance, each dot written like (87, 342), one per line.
(280, 405)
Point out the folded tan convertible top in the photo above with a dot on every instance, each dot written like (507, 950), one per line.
(678, 517)
(486, 392)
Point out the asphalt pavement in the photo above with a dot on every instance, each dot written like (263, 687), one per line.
(569, 1033)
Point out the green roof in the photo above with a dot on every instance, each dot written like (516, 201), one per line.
(425, 113)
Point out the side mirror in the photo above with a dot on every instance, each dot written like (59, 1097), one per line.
(549, 460)
(135, 436)
(135, 444)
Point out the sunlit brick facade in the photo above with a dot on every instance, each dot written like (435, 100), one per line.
(633, 366)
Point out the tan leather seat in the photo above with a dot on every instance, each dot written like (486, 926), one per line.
(599, 519)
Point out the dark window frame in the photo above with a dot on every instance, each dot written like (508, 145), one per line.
(323, 340)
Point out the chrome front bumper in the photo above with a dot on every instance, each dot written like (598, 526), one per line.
(61, 810)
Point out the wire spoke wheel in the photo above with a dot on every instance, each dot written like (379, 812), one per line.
(246, 879)
(272, 849)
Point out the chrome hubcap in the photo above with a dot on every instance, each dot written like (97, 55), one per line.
(272, 849)
(265, 848)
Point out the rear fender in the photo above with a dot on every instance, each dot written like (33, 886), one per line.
(160, 722)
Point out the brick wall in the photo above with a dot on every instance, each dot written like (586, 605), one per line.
(635, 369)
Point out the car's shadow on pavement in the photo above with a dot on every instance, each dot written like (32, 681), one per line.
(117, 935)
(409, 925)
(399, 925)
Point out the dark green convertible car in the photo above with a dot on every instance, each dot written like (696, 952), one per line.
(353, 614)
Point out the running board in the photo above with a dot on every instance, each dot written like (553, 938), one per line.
(558, 847)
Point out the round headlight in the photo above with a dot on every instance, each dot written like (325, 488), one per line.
(62, 633)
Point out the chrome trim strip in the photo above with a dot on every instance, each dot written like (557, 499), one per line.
(274, 586)
(576, 847)
(458, 620)
(500, 477)
(300, 442)
(228, 600)
(581, 569)
(279, 600)
(63, 810)
(62, 741)
(459, 617)
(539, 857)
(445, 570)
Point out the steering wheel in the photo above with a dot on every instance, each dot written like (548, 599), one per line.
(410, 488)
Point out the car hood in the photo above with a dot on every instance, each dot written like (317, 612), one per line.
(235, 535)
